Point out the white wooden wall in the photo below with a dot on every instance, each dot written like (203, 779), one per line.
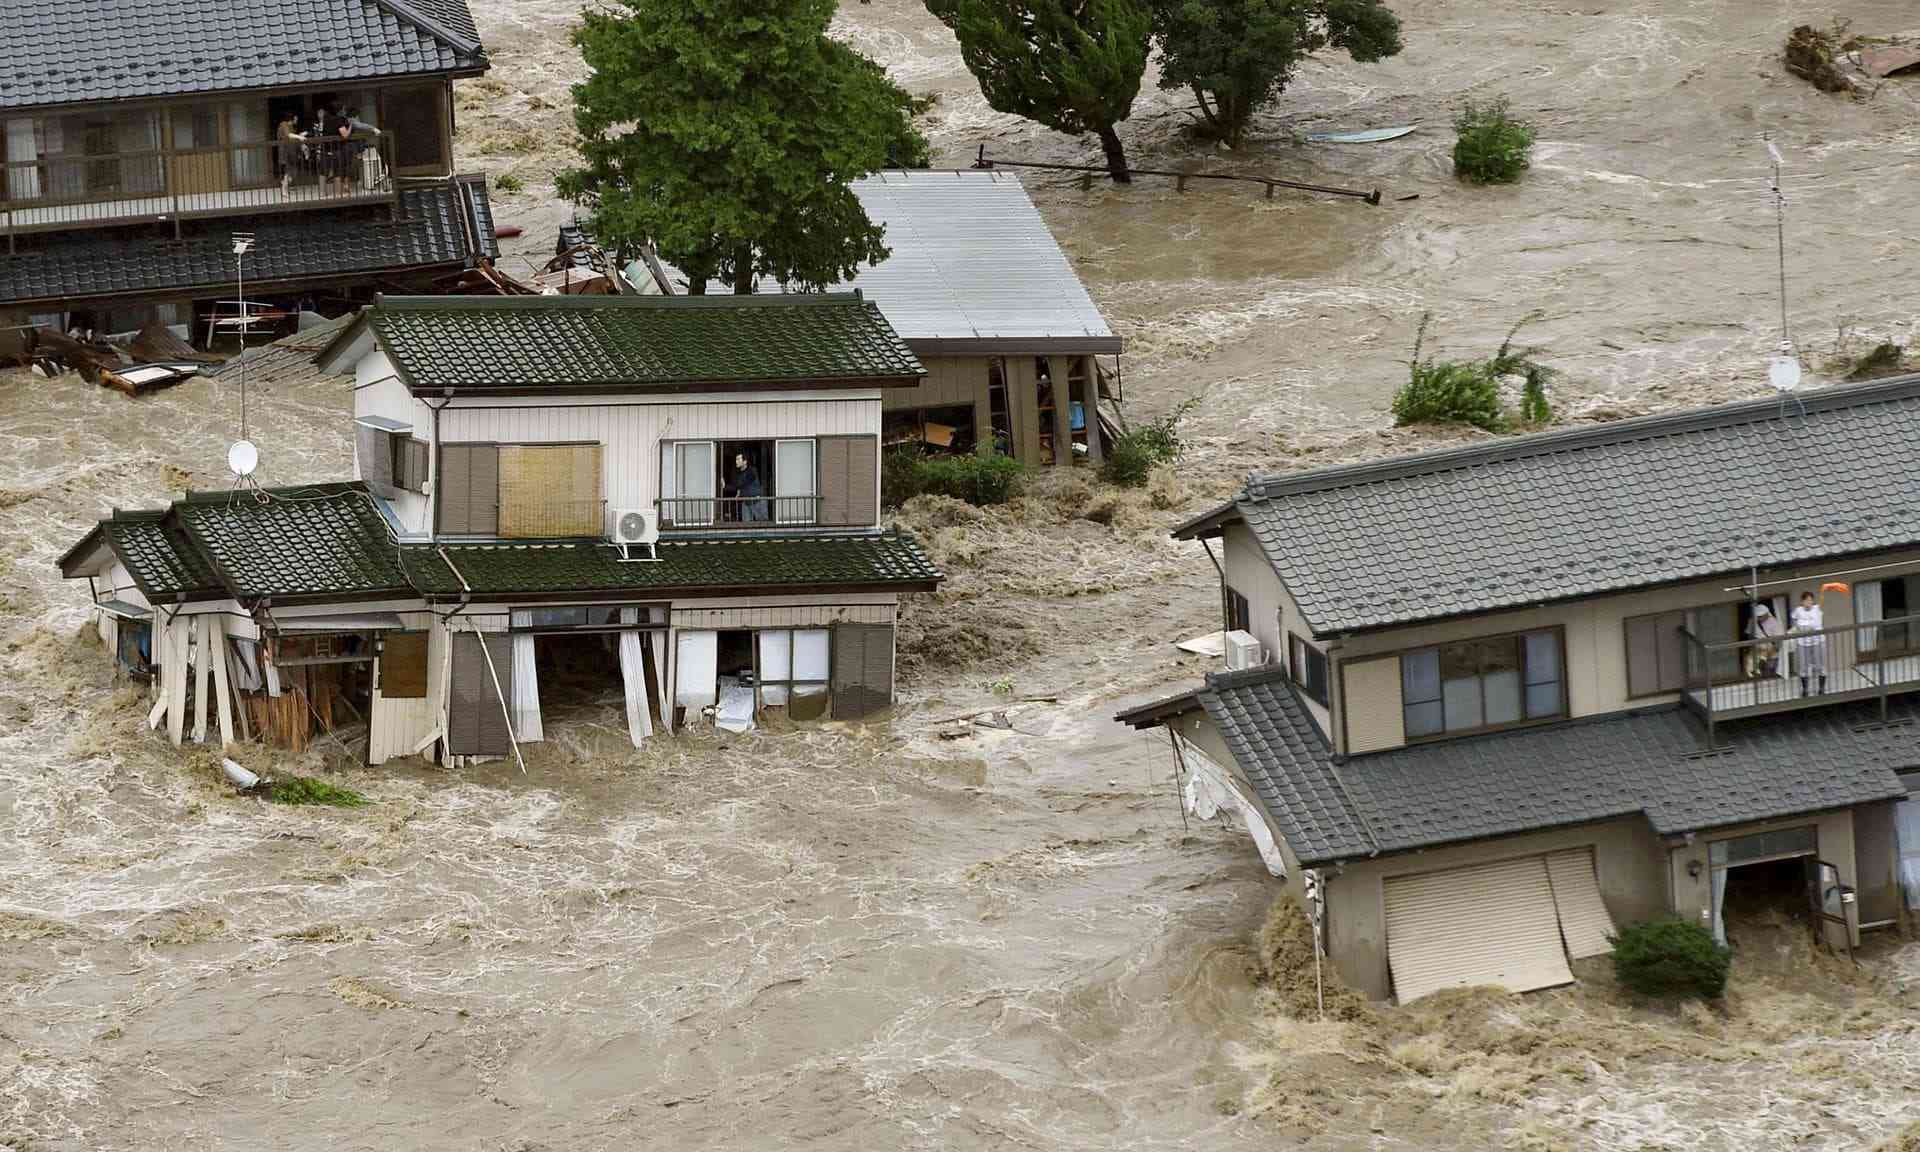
(397, 725)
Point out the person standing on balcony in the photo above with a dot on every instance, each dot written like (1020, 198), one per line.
(747, 488)
(341, 157)
(1764, 627)
(1810, 651)
(290, 144)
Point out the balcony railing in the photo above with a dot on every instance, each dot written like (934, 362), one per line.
(69, 191)
(1802, 669)
(737, 513)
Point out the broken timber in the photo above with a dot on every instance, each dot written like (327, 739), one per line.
(982, 160)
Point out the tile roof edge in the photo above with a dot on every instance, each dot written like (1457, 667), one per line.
(1501, 449)
(460, 42)
(563, 303)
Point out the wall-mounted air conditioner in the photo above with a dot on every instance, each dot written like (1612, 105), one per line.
(1243, 651)
(636, 528)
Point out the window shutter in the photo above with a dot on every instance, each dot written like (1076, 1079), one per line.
(878, 673)
(415, 478)
(863, 496)
(469, 489)
(374, 448)
(1656, 654)
(403, 665)
(1673, 650)
(477, 725)
(834, 480)
(862, 669)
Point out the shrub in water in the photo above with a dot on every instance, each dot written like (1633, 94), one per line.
(981, 480)
(899, 474)
(1468, 391)
(1493, 147)
(306, 790)
(1137, 451)
(1670, 958)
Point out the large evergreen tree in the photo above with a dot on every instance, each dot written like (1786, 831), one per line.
(726, 132)
(1073, 65)
(1238, 55)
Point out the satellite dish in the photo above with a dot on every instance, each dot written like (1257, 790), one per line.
(1783, 371)
(243, 458)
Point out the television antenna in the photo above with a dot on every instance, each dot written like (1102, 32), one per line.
(1783, 371)
(243, 457)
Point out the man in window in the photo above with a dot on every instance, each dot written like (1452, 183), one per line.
(747, 488)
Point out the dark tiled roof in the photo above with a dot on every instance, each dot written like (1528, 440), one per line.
(1599, 509)
(560, 343)
(83, 51)
(1508, 783)
(320, 542)
(165, 566)
(288, 248)
(883, 561)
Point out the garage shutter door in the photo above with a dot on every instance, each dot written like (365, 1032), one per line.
(1490, 924)
(1584, 922)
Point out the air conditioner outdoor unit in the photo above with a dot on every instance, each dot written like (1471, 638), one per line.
(1243, 651)
(636, 528)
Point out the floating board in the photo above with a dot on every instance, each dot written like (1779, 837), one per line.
(1370, 136)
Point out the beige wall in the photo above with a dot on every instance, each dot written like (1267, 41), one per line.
(1629, 859)
(1271, 611)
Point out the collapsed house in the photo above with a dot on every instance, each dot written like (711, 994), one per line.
(1499, 700)
(140, 137)
(977, 286)
(674, 499)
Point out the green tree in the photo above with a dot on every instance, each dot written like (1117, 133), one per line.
(1239, 55)
(1073, 65)
(726, 133)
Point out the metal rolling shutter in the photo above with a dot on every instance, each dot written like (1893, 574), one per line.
(1488, 924)
(862, 669)
(476, 725)
(833, 480)
(1584, 923)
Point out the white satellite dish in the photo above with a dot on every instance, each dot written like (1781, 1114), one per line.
(243, 458)
(1783, 371)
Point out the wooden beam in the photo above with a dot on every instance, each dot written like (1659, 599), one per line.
(222, 678)
(202, 666)
(1090, 407)
(176, 645)
(1062, 423)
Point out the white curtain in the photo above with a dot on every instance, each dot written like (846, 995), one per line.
(1211, 789)
(696, 669)
(1906, 818)
(139, 133)
(1866, 610)
(247, 125)
(23, 159)
(1719, 902)
(633, 672)
(659, 616)
(776, 665)
(527, 728)
(793, 474)
(811, 659)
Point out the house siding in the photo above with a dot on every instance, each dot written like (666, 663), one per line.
(1272, 613)
(396, 726)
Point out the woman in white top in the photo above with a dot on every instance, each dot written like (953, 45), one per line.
(1762, 658)
(1810, 651)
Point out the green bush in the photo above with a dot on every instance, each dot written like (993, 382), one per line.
(906, 472)
(1468, 391)
(508, 182)
(1136, 452)
(306, 790)
(1670, 958)
(1493, 147)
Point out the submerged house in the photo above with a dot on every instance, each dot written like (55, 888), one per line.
(141, 135)
(979, 289)
(1511, 696)
(674, 498)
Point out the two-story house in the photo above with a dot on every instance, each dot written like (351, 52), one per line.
(675, 499)
(141, 135)
(1517, 694)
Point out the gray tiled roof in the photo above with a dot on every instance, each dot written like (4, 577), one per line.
(317, 542)
(1598, 509)
(83, 51)
(288, 249)
(522, 344)
(893, 560)
(1648, 761)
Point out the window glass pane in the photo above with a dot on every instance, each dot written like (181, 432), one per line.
(793, 468)
(1420, 676)
(1425, 719)
(810, 654)
(1543, 700)
(1462, 699)
(1502, 691)
(1317, 675)
(1543, 657)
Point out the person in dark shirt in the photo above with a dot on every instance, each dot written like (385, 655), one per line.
(746, 486)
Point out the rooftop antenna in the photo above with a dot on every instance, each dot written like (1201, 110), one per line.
(242, 457)
(1783, 371)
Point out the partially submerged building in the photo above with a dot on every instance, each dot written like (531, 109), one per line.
(1509, 697)
(979, 289)
(141, 135)
(675, 497)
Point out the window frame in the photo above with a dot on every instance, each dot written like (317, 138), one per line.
(1236, 609)
(1518, 635)
(762, 682)
(1296, 645)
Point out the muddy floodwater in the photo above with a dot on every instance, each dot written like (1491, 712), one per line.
(877, 937)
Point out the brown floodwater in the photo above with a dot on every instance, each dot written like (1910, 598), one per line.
(876, 937)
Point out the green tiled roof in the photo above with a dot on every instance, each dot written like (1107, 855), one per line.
(164, 565)
(522, 344)
(891, 561)
(320, 542)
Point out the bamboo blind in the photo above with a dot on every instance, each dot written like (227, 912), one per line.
(550, 490)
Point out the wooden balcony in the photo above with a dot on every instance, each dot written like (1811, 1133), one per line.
(78, 191)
